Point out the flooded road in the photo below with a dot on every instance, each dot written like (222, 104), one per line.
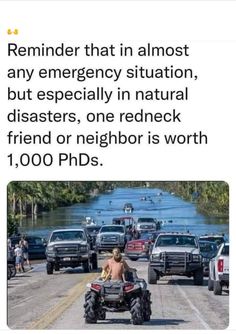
(177, 214)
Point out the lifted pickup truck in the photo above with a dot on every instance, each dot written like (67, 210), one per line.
(70, 248)
(175, 254)
(219, 270)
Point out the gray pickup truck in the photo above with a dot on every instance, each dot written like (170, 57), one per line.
(70, 248)
(111, 236)
(219, 270)
(176, 254)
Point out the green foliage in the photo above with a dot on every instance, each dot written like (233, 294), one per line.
(31, 198)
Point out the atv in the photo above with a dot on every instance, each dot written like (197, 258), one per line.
(118, 296)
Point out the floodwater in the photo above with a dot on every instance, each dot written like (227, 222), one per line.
(175, 213)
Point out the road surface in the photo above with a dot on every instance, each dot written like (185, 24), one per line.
(40, 301)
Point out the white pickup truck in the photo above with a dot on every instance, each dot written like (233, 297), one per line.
(219, 270)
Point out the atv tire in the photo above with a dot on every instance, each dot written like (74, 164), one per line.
(147, 306)
(49, 268)
(152, 276)
(136, 311)
(198, 277)
(90, 308)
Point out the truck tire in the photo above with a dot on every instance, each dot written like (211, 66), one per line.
(8, 273)
(198, 277)
(49, 268)
(136, 311)
(90, 308)
(217, 288)
(152, 276)
(57, 267)
(147, 306)
(94, 261)
(210, 284)
(13, 270)
(86, 266)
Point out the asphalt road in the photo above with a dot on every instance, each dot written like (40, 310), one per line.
(40, 301)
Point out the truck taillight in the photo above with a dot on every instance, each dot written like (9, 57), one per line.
(220, 265)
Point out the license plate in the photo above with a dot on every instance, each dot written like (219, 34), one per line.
(66, 258)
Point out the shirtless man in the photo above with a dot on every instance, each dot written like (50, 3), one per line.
(116, 266)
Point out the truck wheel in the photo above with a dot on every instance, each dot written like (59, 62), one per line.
(90, 307)
(86, 267)
(8, 272)
(49, 268)
(136, 311)
(147, 306)
(210, 284)
(198, 277)
(217, 288)
(94, 261)
(152, 276)
(57, 267)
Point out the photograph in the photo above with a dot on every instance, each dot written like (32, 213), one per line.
(95, 255)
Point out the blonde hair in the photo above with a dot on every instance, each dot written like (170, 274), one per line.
(117, 254)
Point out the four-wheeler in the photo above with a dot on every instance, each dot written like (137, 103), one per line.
(118, 296)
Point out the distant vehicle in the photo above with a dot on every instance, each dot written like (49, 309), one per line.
(36, 246)
(128, 208)
(148, 221)
(140, 248)
(175, 254)
(219, 270)
(111, 236)
(128, 222)
(70, 248)
(208, 250)
(217, 238)
(93, 231)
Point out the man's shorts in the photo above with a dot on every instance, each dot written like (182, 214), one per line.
(26, 256)
(18, 259)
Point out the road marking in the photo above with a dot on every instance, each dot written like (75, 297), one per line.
(51, 315)
(21, 302)
(194, 308)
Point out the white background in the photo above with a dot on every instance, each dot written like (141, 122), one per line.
(207, 27)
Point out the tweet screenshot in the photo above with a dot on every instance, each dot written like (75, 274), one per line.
(117, 165)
